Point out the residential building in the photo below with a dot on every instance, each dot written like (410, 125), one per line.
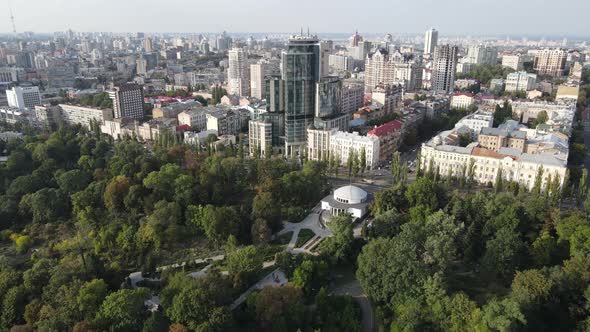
(481, 55)
(390, 136)
(550, 62)
(226, 122)
(389, 97)
(352, 96)
(198, 138)
(238, 74)
(258, 73)
(462, 100)
(127, 101)
(430, 41)
(23, 97)
(381, 68)
(566, 91)
(444, 68)
(515, 62)
(318, 143)
(511, 164)
(496, 139)
(259, 137)
(194, 118)
(520, 81)
(343, 144)
(341, 62)
(48, 115)
(476, 121)
(74, 114)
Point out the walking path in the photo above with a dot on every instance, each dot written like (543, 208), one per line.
(354, 289)
(276, 278)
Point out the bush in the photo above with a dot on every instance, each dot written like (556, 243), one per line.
(22, 242)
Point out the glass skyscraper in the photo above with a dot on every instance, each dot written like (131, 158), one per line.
(300, 72)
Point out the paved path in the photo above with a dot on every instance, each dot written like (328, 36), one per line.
(354, 289)
(311, 221)
(276, 278)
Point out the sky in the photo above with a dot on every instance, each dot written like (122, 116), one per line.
(450, 17)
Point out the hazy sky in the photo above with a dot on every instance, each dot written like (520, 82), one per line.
(476, 17)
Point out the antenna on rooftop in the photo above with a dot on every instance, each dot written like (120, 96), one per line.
(11, 17)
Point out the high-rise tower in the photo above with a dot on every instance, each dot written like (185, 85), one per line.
(430, 41)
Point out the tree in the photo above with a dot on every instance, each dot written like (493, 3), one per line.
(243, 263)
(45, 205)
(123, 310)
(350, 161)
(502, 113)
(163, 181)
(73, 181)
(502, 315)
(310, 275)
(424, 192)
(363, 160)
(13, 307)
(115, 192)
(540, 119)
(537, 187)
(503, 253)
(499, 181)
(390, 269)
(90, 297)
(531, 287)
(218, 223)
(583, 186)
(339, 246)
(261, 233)
(279, 308)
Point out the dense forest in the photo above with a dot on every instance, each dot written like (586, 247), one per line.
(79, 213)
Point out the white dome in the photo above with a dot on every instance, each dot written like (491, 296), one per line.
(350, 195)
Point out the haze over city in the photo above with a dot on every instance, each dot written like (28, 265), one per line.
(458, 17)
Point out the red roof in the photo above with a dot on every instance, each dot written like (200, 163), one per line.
(387, 128)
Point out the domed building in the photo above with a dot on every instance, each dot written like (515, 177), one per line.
(347, 199)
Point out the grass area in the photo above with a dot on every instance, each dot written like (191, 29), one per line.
(283, 238)
(305, 234)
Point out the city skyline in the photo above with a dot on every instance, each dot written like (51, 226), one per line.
(391, 16)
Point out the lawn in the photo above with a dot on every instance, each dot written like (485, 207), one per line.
(305, 234)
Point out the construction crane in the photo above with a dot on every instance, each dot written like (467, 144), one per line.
(11, 17)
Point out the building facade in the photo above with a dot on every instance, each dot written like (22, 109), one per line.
(520, 81)
(550, 62)
(238, 74)
(23, 97)
(443, 68)
(127, 101)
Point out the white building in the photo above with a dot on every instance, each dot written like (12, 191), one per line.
(73, 114)
(258, 73)
(520, 81)
(352, 96)
(481, 55)
(196, 119)
(515, 62)
(259, 136)
(430, 41)
(195, 138)
(23, 97)
(238, 74)
(347, 199)
(516, 166)
(341, 62)
(476, 121)
(343, 143)
(318, 143)
(462, 100)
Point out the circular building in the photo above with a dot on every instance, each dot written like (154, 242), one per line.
(347, 199)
